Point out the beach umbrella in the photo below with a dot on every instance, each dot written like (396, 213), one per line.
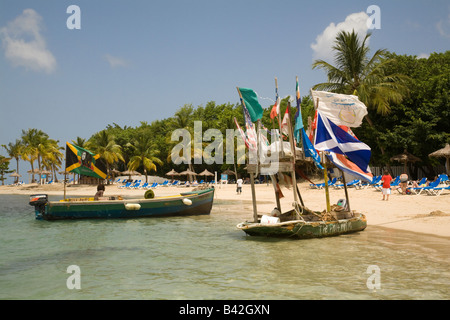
(15, 175)
(130, 173)
(206, 173)
(188, 172)
(405, 157)
(443, 153)
(172, 173)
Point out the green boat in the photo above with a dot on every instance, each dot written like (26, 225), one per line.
(308, 226)
(185, 204)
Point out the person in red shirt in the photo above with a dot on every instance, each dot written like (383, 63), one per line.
(386, 189)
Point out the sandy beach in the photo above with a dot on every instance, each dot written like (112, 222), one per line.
(416, 213)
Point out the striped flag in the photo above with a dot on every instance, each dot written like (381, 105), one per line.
(330, 137)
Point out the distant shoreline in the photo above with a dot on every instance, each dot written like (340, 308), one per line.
(416, 213)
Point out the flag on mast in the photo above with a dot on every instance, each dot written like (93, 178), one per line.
(298, 114)
(249, 99)
(84, 162)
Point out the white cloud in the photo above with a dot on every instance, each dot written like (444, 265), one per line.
(443, 27)
(322, 48)
(115, 62)
(24, 45)
(423, 56)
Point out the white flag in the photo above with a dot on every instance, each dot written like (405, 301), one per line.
(341, 109)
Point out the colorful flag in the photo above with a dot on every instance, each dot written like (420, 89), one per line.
(330, 137)
(284, 123)
(298, 114)
(275, 109)
(84, 162)
(250, 100)
(347, 166)
(341, 109)
(309, 150)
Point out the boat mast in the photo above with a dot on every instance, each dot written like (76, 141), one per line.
(252, 169)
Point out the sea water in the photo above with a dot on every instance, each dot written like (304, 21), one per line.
(207, 257)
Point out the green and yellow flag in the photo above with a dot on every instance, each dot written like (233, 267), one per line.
(84, 162)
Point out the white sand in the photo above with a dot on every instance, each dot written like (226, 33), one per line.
(417, 213)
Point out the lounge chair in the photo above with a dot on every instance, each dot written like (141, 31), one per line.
(175, 183)
(419, 190)
(144, 186)
(126, 185)
(349, 184)
(444, 178)
(322, 185)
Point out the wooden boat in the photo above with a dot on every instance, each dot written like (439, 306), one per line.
(300, 223)
(313, 225)
(187, 203)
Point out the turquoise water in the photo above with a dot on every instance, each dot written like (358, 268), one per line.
(206, 257)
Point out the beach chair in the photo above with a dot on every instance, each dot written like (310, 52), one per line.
(322, 185)
(349, 184)
(144, 186)
(437, 190)
(419, 190)
(175, 183)
(126, 185)
(444, 178)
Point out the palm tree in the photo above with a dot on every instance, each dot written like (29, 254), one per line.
(354, 73)
(15, 151)
(32, 139)
(103, 143)
(143, 153)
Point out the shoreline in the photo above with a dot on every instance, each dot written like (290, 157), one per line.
(416, 213)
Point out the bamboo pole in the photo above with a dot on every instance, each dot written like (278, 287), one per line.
(325, 174)
(345, 189)
(252, 178)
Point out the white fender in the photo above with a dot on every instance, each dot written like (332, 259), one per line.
(132, 206)
(187, 201)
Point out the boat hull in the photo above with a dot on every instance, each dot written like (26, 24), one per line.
(300, 229)
(186, 204)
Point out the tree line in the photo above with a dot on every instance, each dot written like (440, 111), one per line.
(407, 100)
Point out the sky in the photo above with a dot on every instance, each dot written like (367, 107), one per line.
(71, 73)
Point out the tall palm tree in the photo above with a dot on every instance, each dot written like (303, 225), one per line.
(368, 78)
(143, 153)
(15, 151)
(103, 143)
(32, 138)
(355, 73)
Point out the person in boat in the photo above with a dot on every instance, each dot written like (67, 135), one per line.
(386, 188)
(100, 191)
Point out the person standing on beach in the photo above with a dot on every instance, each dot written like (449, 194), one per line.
(386, 189)
(403, 182)
(239, 183)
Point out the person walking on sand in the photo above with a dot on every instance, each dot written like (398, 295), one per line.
(386, 188)
(239, 186)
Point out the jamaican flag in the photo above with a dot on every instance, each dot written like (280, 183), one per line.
(84, 162)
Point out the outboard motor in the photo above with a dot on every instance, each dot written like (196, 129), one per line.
(39, 201)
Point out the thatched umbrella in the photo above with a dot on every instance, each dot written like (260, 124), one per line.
(172, 173)
(15, 175)
(188, 172)
(206, 173)
(130, 173)
(443, 153)
(405, 157)
(228, 171)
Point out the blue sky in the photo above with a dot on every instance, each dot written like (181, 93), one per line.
(135, 61)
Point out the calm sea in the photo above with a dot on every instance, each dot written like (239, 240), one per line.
(206, 257)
